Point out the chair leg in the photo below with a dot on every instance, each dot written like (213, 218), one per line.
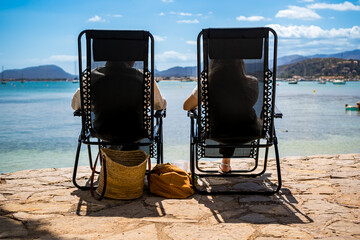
(277, 156)
(76, 167)
(90, 158)
(195, 177)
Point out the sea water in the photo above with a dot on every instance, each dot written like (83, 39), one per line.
(38, 129)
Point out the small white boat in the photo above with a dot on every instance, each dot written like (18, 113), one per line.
(337, 81)
(75, 81)
(321, 82)
(293, 82)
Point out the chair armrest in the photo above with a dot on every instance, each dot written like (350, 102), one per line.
(277, 113)
(193, 113)
(160, 113)
(77, 113)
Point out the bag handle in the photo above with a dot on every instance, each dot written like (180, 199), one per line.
(149, 170)
(92, 178)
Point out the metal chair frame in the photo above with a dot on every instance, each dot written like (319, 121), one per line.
(153, 121)
(199, 121)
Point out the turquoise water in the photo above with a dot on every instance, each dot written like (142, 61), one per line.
(38, 129)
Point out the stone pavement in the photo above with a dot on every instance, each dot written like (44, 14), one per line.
(320, 199)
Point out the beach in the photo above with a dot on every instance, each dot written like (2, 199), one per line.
(319, 199)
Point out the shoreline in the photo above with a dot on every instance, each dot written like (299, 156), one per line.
(319, 199)
(180, 79)
(213, 161)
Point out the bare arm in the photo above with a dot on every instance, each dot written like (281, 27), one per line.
(190, 103)
(75, 103)
(159, 101)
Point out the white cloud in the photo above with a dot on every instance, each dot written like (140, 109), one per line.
(296, 31)
(117, 15)
(296, 12)
(301, 1)
(171, 55)
(346, 6)
(250, 19)
(96, 18)
(159, 38)
(167, 1)
(188, 21)
(161, 14)
(63, 58)
(185, 14)
(191, 42)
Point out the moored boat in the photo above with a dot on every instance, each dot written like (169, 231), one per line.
(353, 108)
(337, 81)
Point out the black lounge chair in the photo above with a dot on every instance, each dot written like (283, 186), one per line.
(229, 122)
(123, 116)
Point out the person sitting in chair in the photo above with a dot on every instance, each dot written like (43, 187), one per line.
(117, 109)
(232, 94)
(159, 101)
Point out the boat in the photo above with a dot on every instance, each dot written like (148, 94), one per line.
(3, 81)
(293, 82)
(321, 82)
(75, 81)
(337, 81)
(352, 108)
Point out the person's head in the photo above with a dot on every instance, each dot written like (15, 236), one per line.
(233, 65)
(119, 63)
(358, 104)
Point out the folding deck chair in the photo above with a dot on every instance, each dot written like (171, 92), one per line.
(218, 124)
(123, 117)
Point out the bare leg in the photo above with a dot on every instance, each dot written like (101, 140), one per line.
(225, 166)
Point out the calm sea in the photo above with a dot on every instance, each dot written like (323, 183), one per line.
(38, 130)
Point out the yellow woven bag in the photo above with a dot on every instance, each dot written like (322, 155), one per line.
(122, 174)
(169, 181)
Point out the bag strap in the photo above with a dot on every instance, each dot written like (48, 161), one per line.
(92, 178)
(149, 170)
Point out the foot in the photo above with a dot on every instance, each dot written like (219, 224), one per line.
(224, 168)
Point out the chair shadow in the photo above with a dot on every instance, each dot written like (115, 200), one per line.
(136, 208)
(279, 208)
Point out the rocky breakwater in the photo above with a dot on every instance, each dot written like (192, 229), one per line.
(319, 199)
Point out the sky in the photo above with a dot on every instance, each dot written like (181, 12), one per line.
(42, 32)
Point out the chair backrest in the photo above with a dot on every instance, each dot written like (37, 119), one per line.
(236, 86)
(116, 97)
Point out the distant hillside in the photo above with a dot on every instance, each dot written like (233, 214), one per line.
(321, 67)
(39, 72)
(355, 54)
(287, 66)
(178, 72)
(290, 59)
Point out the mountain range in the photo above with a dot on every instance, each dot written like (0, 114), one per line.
(38, 72)
(55, 72)
(316, 67)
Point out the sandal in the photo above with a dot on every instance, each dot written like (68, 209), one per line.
(224, 164)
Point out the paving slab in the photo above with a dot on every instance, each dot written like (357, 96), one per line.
(319, 199)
